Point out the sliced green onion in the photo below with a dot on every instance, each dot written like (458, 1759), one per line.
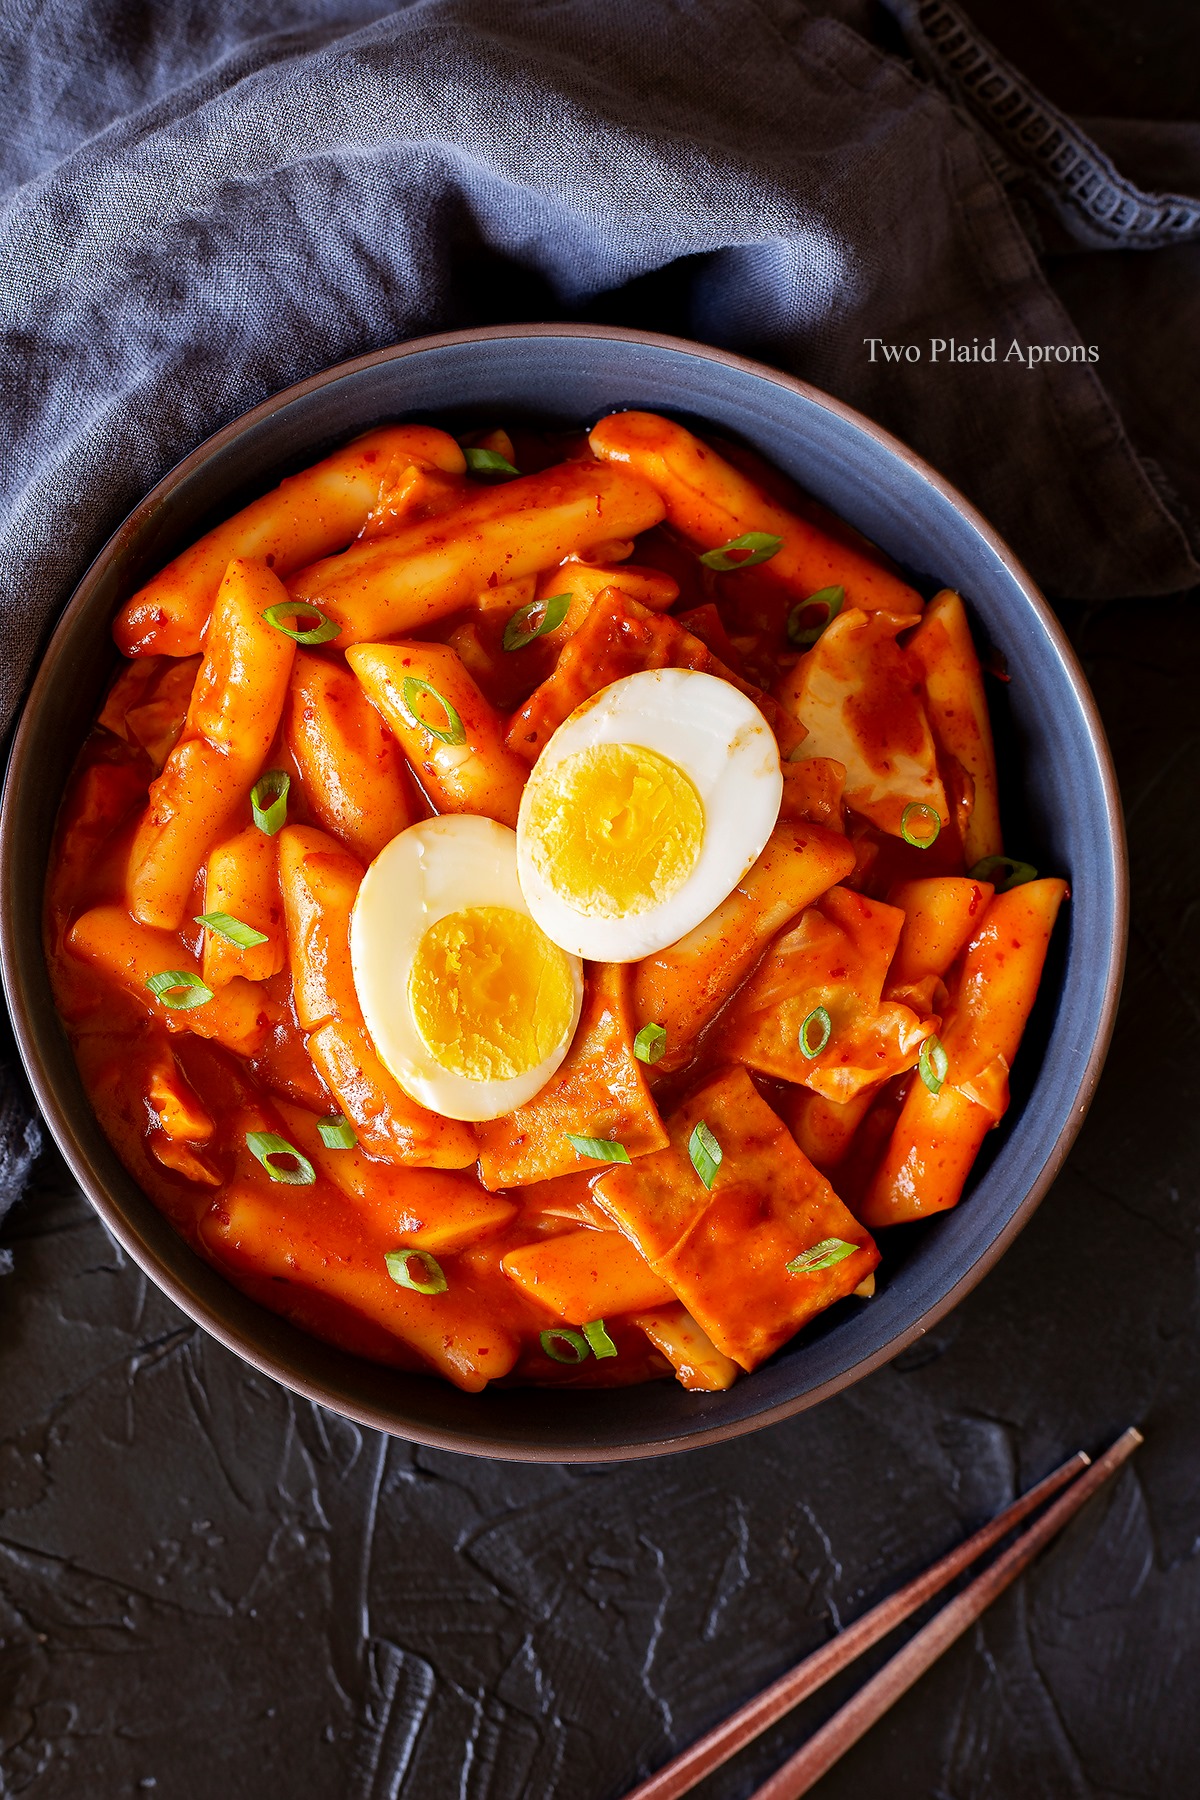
(989, 867)
(268, 800)
(759, 547)
(488, 462)
(563, 1345)
(179, 989)
(399, 1267)
(650, 1043)
(706, 1153)
(453, 732)
(918, 813)
(933, 1064)
(337, 1133)
(517, 633)
(603, 1149)
(815, 1032)
(801, 634)
(821, 1256)
(264, 1145)
(596, 1335)
(320, 633)
(226, 926)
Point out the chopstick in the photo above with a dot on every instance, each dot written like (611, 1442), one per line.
(742, 1727)
(849, 1723)
(852, 1720)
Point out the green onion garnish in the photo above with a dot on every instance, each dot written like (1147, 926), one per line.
(453, 732)
(933, 1064)
(320, 633)
(265, 1145)
(518, 633)
(603, 1149)
(821, 1256)
(918, 813)
(801, 630)
(815, 1032)
(706, 1153)
(268, 800)
(399, 1267)
(226, 926)
(989, 867)
(489, 462)
(563, 1345)
(758, 546)
(179, 989)
(596, 1335)
(337, 1133)
(650, 1043)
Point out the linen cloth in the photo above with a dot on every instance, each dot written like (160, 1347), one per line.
(204, 203)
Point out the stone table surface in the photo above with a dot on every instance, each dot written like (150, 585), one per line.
(210, 1590)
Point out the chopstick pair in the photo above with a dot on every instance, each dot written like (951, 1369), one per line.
(1080, 1476)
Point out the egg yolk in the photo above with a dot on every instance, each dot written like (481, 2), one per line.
(491, 996)
(615, 830)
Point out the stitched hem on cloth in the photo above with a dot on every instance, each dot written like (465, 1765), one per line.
(1098, 460)
(1096, 204)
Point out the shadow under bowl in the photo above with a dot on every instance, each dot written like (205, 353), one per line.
(1055, 770)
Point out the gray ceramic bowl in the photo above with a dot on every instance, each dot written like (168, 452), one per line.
(1055, 764)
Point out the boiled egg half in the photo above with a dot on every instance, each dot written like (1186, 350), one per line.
(644, 810)
(469, 1003)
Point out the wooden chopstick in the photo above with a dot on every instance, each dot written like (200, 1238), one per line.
(742, 1727)
(851, 1721)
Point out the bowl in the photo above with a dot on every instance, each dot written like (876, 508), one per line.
(1055, 767)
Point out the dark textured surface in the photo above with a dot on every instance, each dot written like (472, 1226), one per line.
(210, 1592)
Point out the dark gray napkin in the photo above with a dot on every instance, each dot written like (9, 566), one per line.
(206, 204)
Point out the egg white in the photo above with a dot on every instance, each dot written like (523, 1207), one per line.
(440, 866)
(719, 738)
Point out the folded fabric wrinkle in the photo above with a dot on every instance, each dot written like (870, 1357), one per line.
(1096, 206)
(239, 205)
(21, 1136)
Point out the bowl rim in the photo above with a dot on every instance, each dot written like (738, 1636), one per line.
(14, 954)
